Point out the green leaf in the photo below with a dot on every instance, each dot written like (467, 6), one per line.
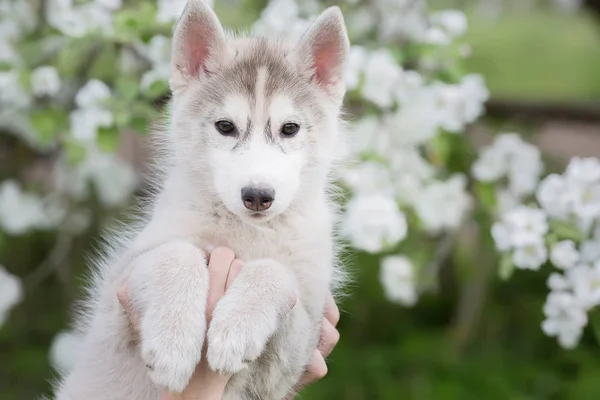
(507, 267)
(103, 66)
(564, 230)
(122, 118)
(140, 124)
(72, 56)
(127, 87)
(48, 123)
(108, 139)
(551, 239)
(74, 151)
(440, 149)
(486, 193)
(156, 90)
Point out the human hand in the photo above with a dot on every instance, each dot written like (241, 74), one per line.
(205, 384)
(317, 368)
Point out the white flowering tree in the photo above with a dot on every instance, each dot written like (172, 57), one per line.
(76, 77)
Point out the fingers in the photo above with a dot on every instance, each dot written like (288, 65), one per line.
(218, 270)
(234, 269)
(329, 338)
(332, 313)
(123, 297)
(316, 369)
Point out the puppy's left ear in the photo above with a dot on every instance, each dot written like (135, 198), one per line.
(323, 51)
(199, 44)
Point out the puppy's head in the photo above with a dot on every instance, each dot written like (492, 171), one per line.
(255, 119)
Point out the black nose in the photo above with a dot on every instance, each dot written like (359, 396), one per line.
(258, 199)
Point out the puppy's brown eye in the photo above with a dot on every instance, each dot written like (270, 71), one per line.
(290, 129)
(225, 127)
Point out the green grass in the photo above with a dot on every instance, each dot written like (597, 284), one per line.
(538, 55)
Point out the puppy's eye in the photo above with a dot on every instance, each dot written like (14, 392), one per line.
(290, 129)
(225, 127)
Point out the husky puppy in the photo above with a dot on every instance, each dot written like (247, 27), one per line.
(253, 136)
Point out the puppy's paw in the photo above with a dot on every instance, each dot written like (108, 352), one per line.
(249, 315)
(235, 341)
(170, 365)
(173, 325)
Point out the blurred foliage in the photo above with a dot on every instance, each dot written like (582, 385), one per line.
(537, 55)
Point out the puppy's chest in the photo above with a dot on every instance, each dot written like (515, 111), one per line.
(305, 251)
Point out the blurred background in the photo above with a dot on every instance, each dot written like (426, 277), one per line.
(471, 337)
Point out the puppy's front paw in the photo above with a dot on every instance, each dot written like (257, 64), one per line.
(249, 314)
(173, 325)
(171, 360)
(235, 339)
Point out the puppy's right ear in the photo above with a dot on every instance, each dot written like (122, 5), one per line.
(198, 44)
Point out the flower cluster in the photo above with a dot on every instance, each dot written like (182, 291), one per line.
(565, 232)
(513, 163)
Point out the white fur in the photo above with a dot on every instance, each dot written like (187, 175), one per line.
(290, 251)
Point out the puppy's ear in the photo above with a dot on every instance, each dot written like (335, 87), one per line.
(323, 51)
(198, 44)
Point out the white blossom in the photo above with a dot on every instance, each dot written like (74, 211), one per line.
(398, 280)
(565, 318)
(512, 158)
(460, 104)
(374, 222)
(437, 36)
(45, 81)
(585, 281)
(368, 177)
(112, 5)
(559, 282)
(12, 93)
(531, 255)
(157, 51)
(114, 179)
(442, 204)
(362, 21)
(491, 165)
(520, 227)
(506, 201)
(413, 123)
(552, 196)
(583, 170)
(8, 55)
(402, 19)
(77, 20)
(382, 73)
(564, 255)
(94, 94)
(279, 17)
(409, 86)
(152, 76)
(590, 249)
(169, 11)
(369, 135)
(575, 194)
(21, 212)
(11, 293)
(454, 22)
(64, 350)
(86, 122)
(407, 160)
(355, 66)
